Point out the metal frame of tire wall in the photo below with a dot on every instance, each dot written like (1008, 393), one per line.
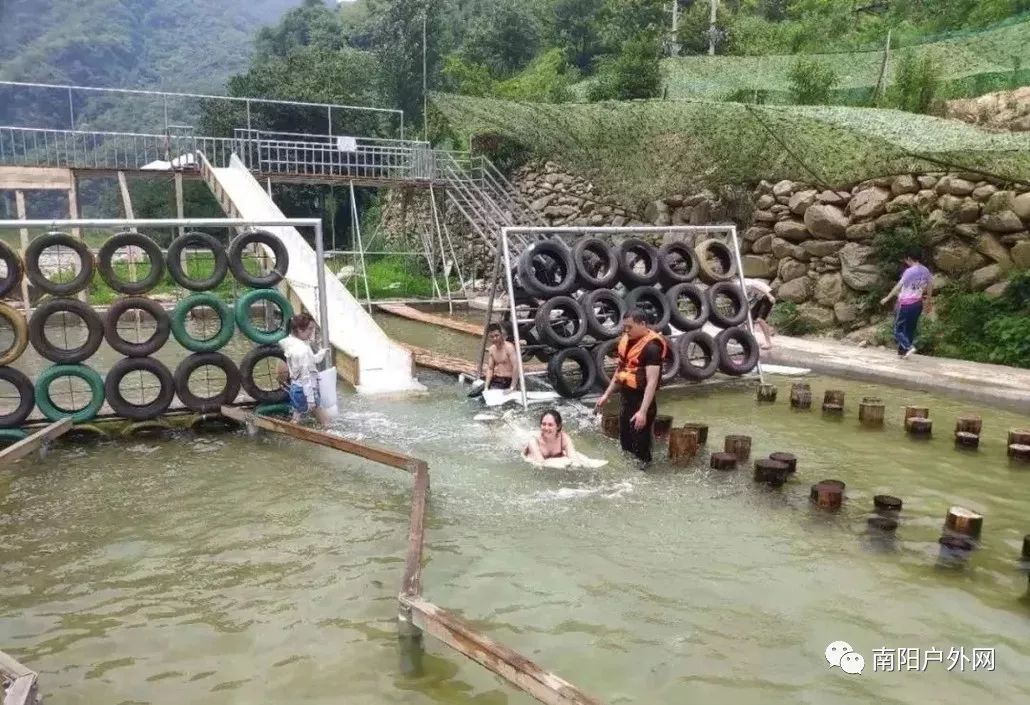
(171, 296)
(624, 287)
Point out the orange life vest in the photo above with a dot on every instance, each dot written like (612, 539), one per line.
(629, 357)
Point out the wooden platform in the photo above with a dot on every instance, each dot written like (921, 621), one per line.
(413, 314)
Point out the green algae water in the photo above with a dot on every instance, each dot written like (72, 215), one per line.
(229, 569)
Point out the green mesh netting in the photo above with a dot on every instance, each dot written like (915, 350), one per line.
(646, 149)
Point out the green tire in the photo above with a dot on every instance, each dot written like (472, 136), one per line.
(10, 436)
(274, 410)
(225, 318)
(55, 413)
(247, 326)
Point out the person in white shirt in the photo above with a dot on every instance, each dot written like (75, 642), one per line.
(302, 365)
(761, 300)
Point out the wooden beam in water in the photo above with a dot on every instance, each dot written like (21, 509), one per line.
(413, 314)
(439, 361)
(508, 664)
(411, 584)
(27, 446)
(22, 690)
(384, 456)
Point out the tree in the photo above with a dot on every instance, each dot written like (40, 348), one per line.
(311, 24)
(623, 20)
(547, 80)
(574, 29)
(504, 38)
(694, 24)
(916, 83)
(811, 82)
(633, 73)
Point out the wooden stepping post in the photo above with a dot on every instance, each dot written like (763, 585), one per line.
(1019, 445)
(916, 412)
(662, 425)
(610, 425)
(723, 461)
(800, 396)
(773, 472)
(833, 402)
(886, 504)
(967, 440)
(954, 551)
(920, 427)
(881, 525)
(702, 431)
(683, 445)
(767, 392)
(871, 412)
(789, 459)
(963, 522)
(967, 431)
(740, 446)
(828, 494)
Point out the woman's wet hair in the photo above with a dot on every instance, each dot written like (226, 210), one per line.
(553, 414)
(300, 322)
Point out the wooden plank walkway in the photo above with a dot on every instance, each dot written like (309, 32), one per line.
(413, 314)
(27, 446)
(454, 365)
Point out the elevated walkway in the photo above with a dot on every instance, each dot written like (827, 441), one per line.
(365, 356)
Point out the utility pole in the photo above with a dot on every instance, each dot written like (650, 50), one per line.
(425, 80)
(675, 17)
(711, 27)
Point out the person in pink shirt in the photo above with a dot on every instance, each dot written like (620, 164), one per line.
(913, 289)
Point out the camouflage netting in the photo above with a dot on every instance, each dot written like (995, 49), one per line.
(645, 149)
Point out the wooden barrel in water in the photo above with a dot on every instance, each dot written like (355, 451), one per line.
(916, 412)
(918, 426)
(800, 395)
(773, 472)
(610, 425)
(886, 503)
(740, 446)
(789, 459)
(969, 423)
(964, 439)
(871, 412)
(723, 461)
(683, 445)
(882, 525)
(828, 494)
(964, 522)
(701, 429)
(1019, 452)
(767, 392)
(662, 425)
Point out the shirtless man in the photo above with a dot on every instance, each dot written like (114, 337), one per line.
(500, 360)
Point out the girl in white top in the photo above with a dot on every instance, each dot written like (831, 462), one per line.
(302, 364)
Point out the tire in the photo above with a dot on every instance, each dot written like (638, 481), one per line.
(653, 303)
(694, 294)
(26, 397)
(246, 325)
(643, 252)
(601, 352)
(139, 412)
(55, 413)
(730, 290)
(721, 251)
(197, 345)
(197, 240)
(586, 365)
(21, 334)
(710, 351)
(572, 329)
(10, 436)
(66, 356)
(35, 274)
(584, 252)
(213, 404)
(677, 264)
(14, 266)
(546, 269)
(258, 237)
(105, 263)
(746, 340)
(528, 339)
(671, 362)
(603, 328)
(250, 386)
(149, 346)
(274, 410)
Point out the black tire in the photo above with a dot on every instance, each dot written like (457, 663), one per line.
(26, 397)
(604, 310)
(149, 346)
(201, 241)
(259, 237)
(677, 263)
(709, 351)
(601, 353)
(531, 345)
(139, 412)
(596, 264)
(14, 266)
(738, 302)
(250, 386)
(695, 295)
(546, 269)
(639, 251)
(586, 365)
(105, 263)
(744, 338)
(66, 356)
(203, 405)
(671, 361)
(653, 303)
(35, 274)
(719, 250)
(565, 331)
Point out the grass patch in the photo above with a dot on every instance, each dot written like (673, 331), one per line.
(390, 277)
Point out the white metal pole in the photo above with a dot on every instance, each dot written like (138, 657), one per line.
(713, 15)
(743, 291)
(323, 307)
(514, 316)
(425, 77)
(443, 251)
(361, 249)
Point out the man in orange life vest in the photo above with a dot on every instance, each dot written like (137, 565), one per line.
(641, 352)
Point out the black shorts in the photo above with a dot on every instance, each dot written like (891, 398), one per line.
(500, 383)
(761, 309)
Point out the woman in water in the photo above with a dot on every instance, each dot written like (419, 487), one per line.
(551, 442)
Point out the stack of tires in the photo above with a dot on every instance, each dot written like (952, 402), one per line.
(570, 303)
(60, 304)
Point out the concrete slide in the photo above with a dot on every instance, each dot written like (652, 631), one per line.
(383, 365)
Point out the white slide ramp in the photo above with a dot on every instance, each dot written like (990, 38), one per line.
(383, 365)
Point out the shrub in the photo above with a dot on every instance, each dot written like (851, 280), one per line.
(889, 250)
(786, 318)
(634, 73)
(811, 82)
(917, 81)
